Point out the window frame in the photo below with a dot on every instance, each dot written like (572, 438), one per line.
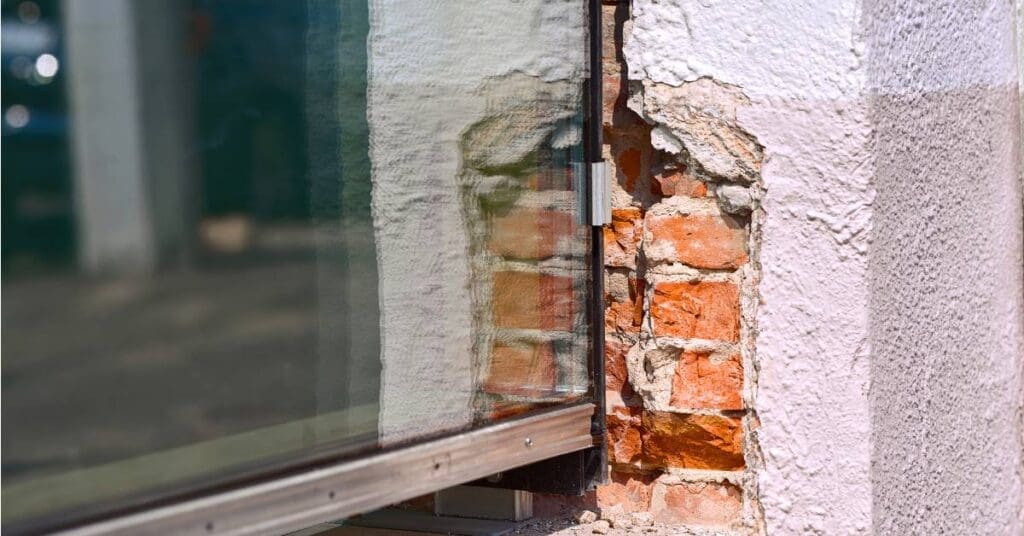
(520, 449)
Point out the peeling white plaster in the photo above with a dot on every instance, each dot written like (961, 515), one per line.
(796, 63)
(772, 48)
(663, 140)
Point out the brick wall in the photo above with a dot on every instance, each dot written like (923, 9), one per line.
(681, 273)
(680, 280)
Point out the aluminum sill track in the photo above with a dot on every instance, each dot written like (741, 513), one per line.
(338, 491)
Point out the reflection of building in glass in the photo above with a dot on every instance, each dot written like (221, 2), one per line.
(135, 179)
(37, 206)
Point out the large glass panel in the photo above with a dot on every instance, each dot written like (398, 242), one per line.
(241, 235)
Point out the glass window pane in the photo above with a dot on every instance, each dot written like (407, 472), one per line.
(240, 235)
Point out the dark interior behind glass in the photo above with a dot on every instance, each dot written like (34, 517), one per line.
(193, 242)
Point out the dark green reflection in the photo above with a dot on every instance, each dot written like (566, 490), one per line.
(186, 235)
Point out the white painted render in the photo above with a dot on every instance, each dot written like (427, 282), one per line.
(945, 267)
(889, 327)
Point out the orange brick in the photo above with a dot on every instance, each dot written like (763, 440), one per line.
(672, 182)
(629, 491)
(532, 300)
(621, 237)
(630, 162)
(702, 310)
(616, 374)
(692, 441)
(624, 437)
(697, 503)
(528, 233)
(701, 382)
(618, 318)
(625, 317)
(636, 295)
(609, 25)
(527, 369)
(698, 240)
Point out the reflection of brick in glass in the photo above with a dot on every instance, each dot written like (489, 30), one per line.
(532, 300)
(528, 233)
(527, 369)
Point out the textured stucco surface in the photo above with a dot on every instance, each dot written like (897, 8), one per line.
(797, 63)
(889, 321)
(945, 267)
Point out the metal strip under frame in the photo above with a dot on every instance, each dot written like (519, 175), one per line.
(341, 490)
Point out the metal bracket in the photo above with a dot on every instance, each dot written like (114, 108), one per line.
(600, 194)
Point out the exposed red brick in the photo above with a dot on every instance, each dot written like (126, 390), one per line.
(532, 300)
(616, 373)
(526, 369)
(609, 45)
(618, 318)
(630, 492)
(621, 237)
(698, 240)
(624, 438)
(701, 309)
(672, 182)
(529, 233)
(692, 441)
(697, 503)
(625, 317)
(706, 310)
(630, 162)
(636, 294)
(701, 382)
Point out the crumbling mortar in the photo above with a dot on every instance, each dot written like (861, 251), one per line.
(680, 273)
(750, 299)
(644, 376)
(734, 191)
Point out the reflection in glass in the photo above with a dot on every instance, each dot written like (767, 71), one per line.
(242, 235)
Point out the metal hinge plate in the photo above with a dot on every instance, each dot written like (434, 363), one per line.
(601, 194)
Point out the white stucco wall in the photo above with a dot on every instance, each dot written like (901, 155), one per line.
(889, 326)
(945, 267)
(799, 65)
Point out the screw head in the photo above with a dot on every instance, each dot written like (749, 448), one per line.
(528, 442)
